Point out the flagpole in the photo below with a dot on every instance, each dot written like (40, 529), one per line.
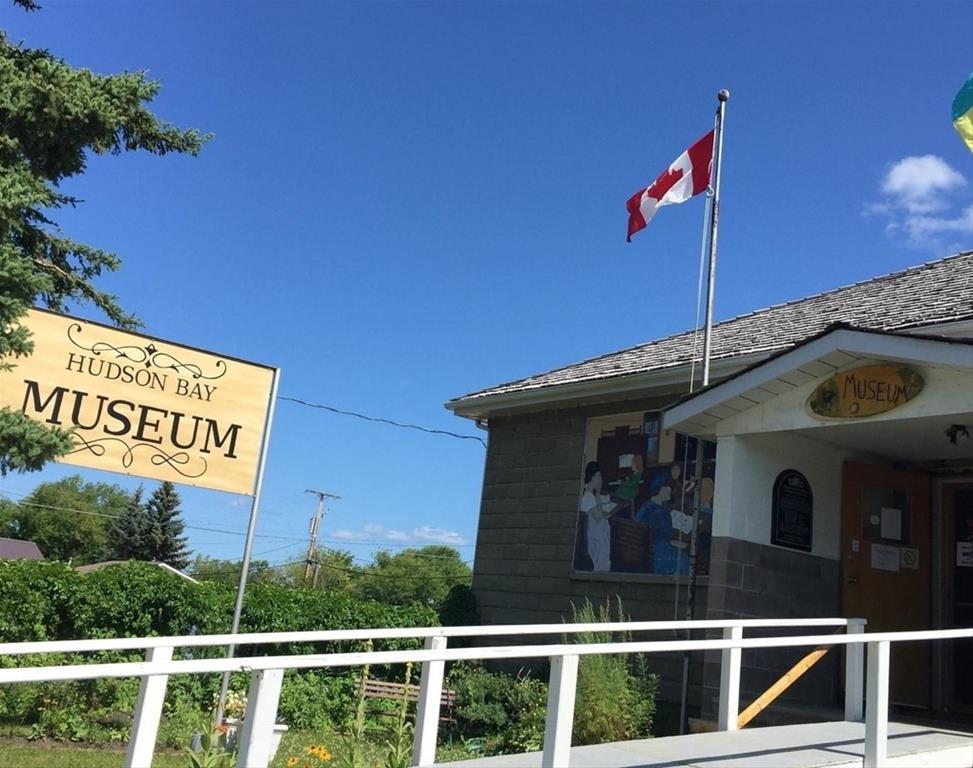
(723, 96)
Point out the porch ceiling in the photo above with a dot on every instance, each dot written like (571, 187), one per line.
(920, 440)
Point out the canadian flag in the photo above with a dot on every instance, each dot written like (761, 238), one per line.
(687, 176)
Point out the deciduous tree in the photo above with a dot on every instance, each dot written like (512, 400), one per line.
(67, 519)
(228, 571)
(424, 576)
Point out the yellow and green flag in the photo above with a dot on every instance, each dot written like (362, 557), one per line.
(963, 113)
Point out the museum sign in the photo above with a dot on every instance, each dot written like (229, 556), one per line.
(865, 391)
(142, 406)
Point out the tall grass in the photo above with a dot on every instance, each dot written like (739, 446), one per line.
(616, 693)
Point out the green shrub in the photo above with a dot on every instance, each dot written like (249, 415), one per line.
(51, 601)
(316, 699)
(504, 711)
(459, 608)
(179, 724)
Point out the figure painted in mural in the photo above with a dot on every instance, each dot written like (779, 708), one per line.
(681, 507)
(598, 509)
(627, 490)
(657, 514)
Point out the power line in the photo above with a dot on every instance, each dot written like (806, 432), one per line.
(398, 577)
(352, 571)
(275, 549)
(116, 517)
(420, 555)
(379, 420)
(290, 539)
(271, 536)
(394, 544)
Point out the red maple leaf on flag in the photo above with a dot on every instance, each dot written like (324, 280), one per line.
(687, 176)
(666, 181)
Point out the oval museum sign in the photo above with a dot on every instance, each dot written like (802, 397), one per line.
(865, 391)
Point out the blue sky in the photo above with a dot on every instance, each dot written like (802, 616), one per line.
(404, 202)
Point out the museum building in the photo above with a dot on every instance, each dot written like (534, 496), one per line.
(836, 480)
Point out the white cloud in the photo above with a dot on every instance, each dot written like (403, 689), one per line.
(920, 227)
(919, 203)
(921, 184)
(424, 534)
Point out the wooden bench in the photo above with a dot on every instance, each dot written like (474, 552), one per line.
(380, 689)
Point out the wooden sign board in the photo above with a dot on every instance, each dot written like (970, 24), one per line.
(142, 406)
(865, 391)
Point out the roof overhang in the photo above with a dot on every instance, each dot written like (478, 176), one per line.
(674, 379)
(836, 348)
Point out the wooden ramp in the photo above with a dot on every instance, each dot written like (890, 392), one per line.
(811, 745)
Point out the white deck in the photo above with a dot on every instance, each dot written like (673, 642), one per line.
(835, 745)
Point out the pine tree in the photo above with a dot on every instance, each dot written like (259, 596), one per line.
(53, 119)
(128, 535)
(168, 545)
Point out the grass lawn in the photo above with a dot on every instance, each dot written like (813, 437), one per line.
(61, 755)
(56, 756)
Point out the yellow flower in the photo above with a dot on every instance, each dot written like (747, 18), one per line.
(291, 762)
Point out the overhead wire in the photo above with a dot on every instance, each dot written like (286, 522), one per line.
(385, 542)
(381, 420)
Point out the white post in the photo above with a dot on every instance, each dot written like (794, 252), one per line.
(854, 673)
(559, 723)
(257, 728)
(148, 712)
(877, 706)
(427, 710)
(730, 681)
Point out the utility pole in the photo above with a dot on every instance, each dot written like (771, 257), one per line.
(312, 558)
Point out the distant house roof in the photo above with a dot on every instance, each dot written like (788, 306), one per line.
(17, 549)
(933, 293)
(108, 563)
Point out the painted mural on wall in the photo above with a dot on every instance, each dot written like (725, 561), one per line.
(635, 507)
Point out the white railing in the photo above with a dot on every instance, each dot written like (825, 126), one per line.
(267, 673)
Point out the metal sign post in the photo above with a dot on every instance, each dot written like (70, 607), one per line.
(248, 546)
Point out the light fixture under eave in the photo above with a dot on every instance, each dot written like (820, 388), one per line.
(955, 431)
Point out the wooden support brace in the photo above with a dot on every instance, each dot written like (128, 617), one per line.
(786, 681)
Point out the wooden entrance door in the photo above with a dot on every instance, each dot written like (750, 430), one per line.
(958, 592)
(885, 553)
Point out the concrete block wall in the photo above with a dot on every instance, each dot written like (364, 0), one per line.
(523, 568)
(749, 580)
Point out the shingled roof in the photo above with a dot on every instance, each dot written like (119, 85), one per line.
(937, 292)
(16, 549)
